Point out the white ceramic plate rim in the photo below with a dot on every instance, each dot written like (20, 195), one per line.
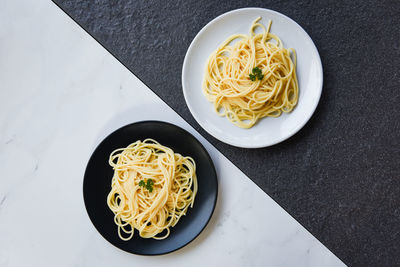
(267, 141)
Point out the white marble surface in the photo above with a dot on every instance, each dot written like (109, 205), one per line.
(60, 94)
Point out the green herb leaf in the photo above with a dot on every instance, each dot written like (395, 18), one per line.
(256, 70)
(148, 185)
(257, 74)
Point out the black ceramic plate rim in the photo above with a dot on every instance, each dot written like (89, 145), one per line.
(208, 157)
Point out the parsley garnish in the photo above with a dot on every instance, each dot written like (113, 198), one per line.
(257, 74)
(148, 185)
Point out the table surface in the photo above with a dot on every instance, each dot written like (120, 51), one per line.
(61, 94)
(339, 176)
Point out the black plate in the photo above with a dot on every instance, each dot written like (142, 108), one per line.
(97, 184)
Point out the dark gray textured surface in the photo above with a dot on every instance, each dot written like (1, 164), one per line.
(340, 175)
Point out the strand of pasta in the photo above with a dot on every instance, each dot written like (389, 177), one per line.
(243, 101)
(174, 189)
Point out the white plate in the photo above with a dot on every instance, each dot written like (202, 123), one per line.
(268, 131)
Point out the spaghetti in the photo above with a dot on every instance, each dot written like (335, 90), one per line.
(171, 189)
(231, 84)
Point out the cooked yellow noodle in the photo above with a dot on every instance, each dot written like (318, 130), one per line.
(243, 101)
(134, 206)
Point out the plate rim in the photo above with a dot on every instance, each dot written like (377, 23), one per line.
(260, 144)
(208, 157)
